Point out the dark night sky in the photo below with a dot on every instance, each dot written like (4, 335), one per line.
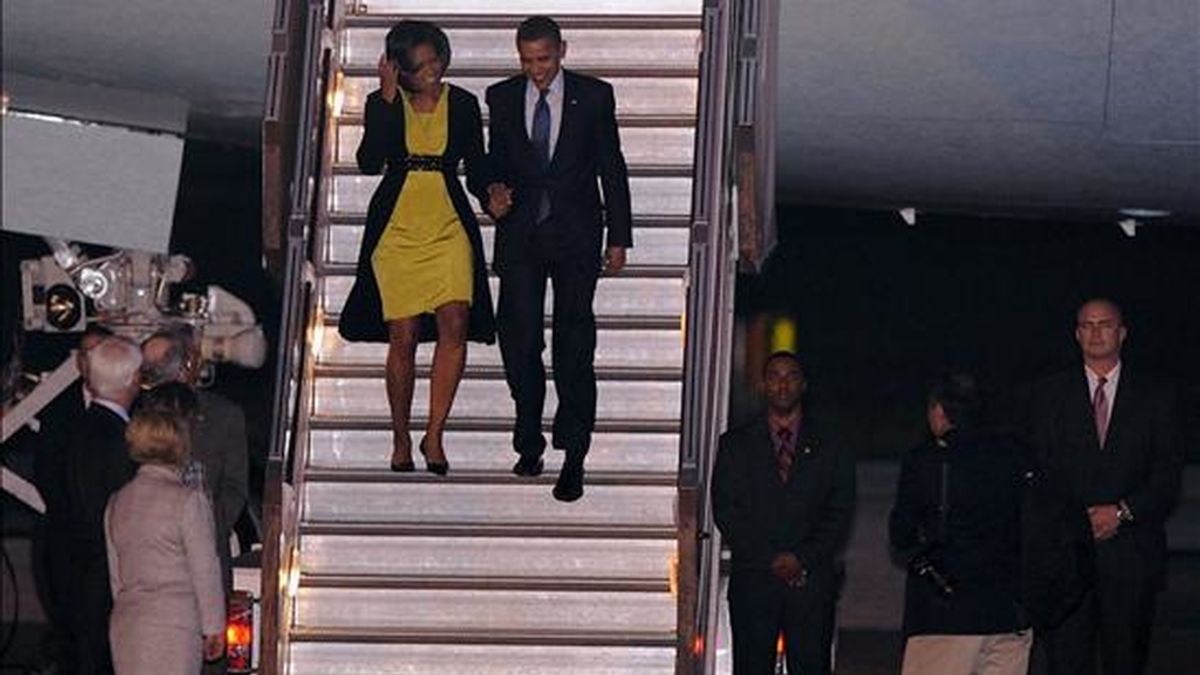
(882, 307)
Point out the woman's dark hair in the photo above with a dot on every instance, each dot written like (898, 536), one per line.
(539, 28)
(958, 394)
(407, 35)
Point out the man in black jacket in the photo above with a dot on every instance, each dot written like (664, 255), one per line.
(783, 499)
(956, 527)
(1112, 438)
(96, 466)
(552, 137)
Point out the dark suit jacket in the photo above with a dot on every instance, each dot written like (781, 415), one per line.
(588, 146)
(760, 517)
(383, 150)
(1141, 460)
(219, 443)
(97, 465)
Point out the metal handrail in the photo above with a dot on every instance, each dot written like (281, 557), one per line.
(295, 125)
(709, 326)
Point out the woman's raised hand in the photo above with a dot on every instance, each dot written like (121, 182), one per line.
(389, 78)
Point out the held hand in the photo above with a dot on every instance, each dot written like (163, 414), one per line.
(499, 200)
(389, 79)
(214, 646)
(1105, 521)
(787, 568)
(614, 260)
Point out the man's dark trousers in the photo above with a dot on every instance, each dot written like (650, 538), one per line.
(759, 605)
(521, 323)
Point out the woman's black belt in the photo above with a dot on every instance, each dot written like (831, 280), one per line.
(423, 163)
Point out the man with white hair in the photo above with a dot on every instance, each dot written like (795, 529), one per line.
(97, 465)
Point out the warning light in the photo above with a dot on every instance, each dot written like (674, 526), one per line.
(239, 633)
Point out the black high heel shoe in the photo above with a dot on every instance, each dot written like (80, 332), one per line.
(438, 468)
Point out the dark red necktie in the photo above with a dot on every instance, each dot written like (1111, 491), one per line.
(1100, 410)
(785, 453)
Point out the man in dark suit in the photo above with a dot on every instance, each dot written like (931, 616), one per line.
(53, 571)
(219, 454)
(553, 132)
(1113, 437)
(783, 499)
(97, 465)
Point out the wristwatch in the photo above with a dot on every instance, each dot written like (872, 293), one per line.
(1123, 513)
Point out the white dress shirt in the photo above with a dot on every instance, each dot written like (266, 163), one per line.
(554, 98)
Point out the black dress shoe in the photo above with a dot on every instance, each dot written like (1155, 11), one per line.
(439, 468)
(569, 486)
(529, 466)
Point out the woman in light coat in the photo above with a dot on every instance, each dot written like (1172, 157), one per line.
(168, 603)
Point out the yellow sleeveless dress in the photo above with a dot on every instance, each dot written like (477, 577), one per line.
(423, 258)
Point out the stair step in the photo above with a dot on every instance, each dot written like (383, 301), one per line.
(615, 349)
(660, 299)
(479, 610)
(617, 399)
(522, 504)
(479, 559)
(489, 581)
(496, 372)
(644, 142)
(648, 194)
(492, 451)
(383, 474)
(571, 15)
(628, 272)
(641, 221)
(661, 170)
(635, 95)
(651, 246)
(488, 424)
(477, 46)
(455, 652)
(495, 71)
(557, 531)
(351, 119)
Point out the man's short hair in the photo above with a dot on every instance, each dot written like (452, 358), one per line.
(1103, 300)
(958, 394)
(539, 28)
(158, 437)
(112, 366)
(409, 34)
(173, 398)
(783, 354)
(176, 360)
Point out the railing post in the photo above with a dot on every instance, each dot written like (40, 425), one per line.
(733, 200)
(294, 128)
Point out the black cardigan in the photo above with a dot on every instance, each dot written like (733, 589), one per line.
(383, 150)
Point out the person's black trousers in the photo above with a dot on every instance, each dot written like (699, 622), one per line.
(1116, 616)
(520, 321)
(760, 607)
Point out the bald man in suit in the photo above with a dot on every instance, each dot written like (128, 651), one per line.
(1111, 435)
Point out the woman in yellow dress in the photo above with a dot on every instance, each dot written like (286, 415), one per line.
(421, 273)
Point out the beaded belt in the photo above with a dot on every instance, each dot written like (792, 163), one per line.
(423, 163)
